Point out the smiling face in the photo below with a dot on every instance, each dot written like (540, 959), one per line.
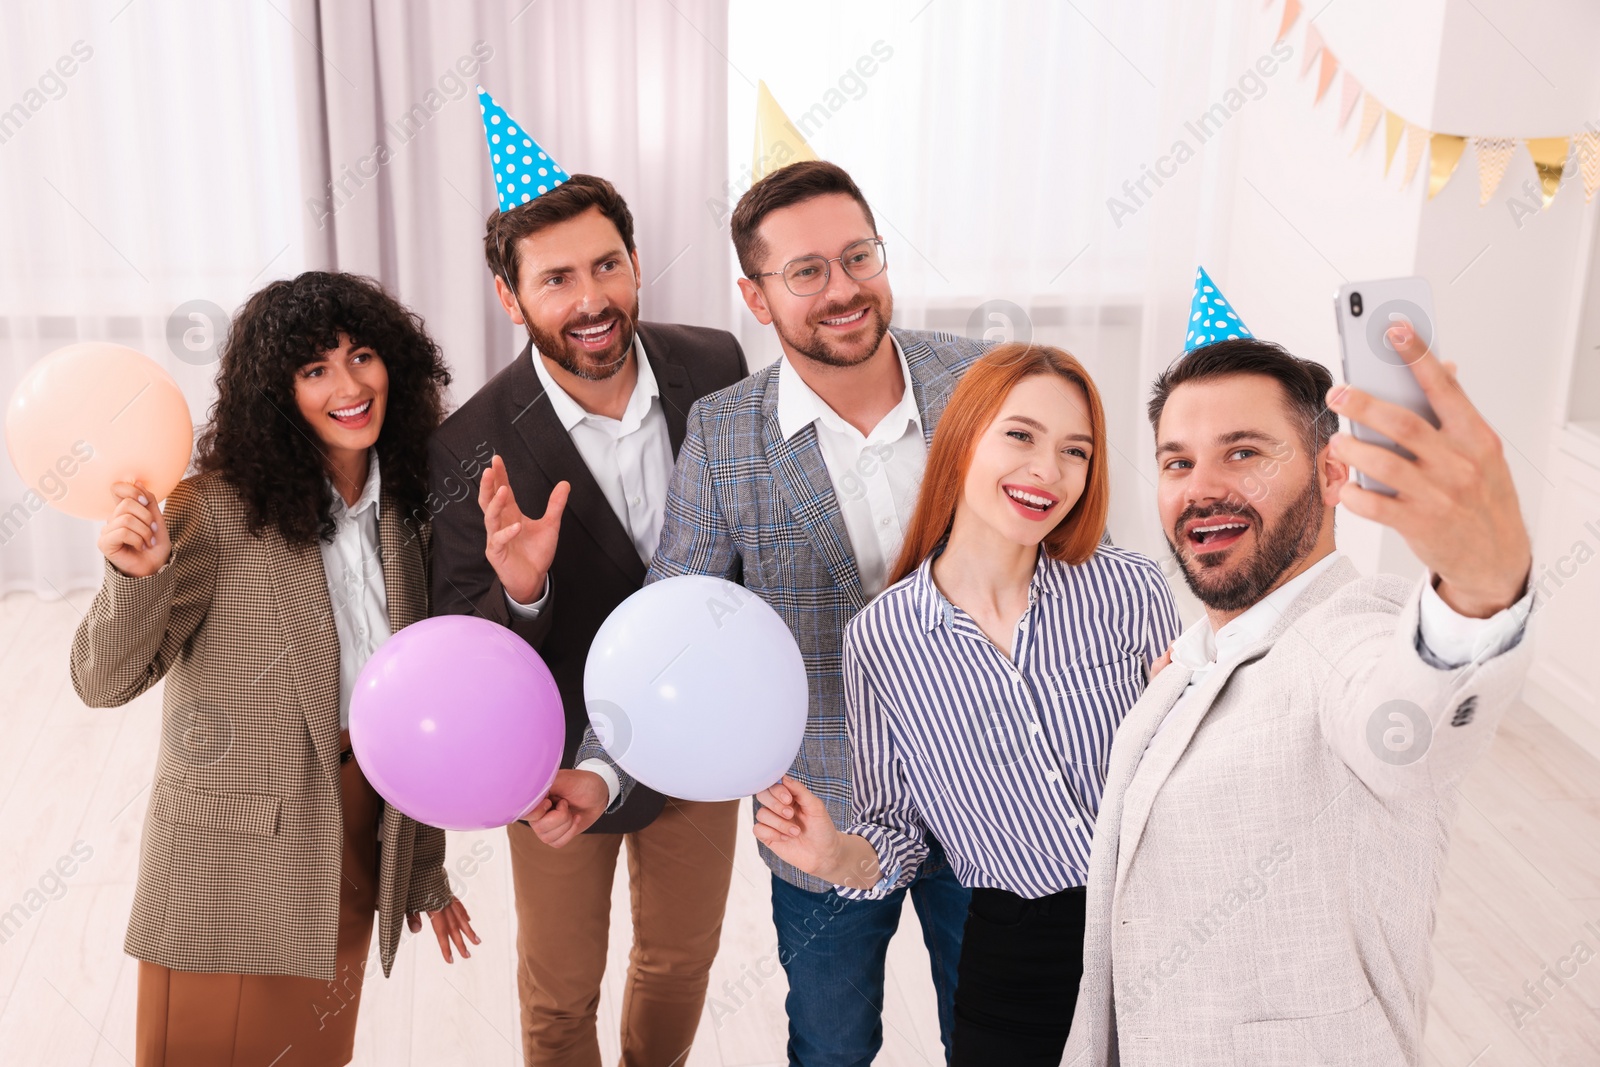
(1030, 465)
(1243, 504)
(342, 395)
(844, 324)
(578, 294)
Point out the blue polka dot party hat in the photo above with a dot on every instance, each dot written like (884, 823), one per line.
(522, 168)
(1211, 317)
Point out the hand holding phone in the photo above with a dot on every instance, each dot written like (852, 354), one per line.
(1365, 312)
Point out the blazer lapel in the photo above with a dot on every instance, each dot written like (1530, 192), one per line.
(672, 380)
(311, 640)
(549, 445)
(405, 583)
(1153, 771)
(931, 381)
(803, 485)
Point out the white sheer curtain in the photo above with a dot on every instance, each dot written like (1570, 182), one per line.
(631, 91)
(989, 139)
(147, 173)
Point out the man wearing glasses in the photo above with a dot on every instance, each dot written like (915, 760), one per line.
(799, 482)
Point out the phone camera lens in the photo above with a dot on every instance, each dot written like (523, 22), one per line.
(1355, 304)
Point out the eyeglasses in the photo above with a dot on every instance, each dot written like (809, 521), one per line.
(808, 275)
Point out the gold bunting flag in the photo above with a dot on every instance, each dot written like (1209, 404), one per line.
(1416, 140)
(1589, 162)
(1371, 112)
(1393, 127)
(1330, 67)
(1444, 156)
(1349, 93)
(1493, 155)
(1549, 159)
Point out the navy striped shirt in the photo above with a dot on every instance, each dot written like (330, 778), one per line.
(1002, 760)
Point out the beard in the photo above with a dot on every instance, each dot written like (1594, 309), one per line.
(1288, 542)
(573, 358)
(833, 351)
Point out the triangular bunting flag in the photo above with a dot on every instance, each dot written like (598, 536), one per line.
(1291, 11)
(1416, 141)
(1444, 156)
(1371, 112)
(1313, 45)
(1549, 159)
(1393, 127)
(1493, 155)
(1589, 162)
(1211, 318)
(778, 143)
(522, 169)
(1330, 67)
(1349, 93)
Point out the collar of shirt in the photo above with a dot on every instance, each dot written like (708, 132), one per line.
(342, 512)
(935, 609)
(570, 412)
(799, 405)
(1199, 649)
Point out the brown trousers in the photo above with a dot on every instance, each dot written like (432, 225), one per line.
(678, 872)
(190, 1019)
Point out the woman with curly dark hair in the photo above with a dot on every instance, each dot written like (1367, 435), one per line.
(258, 592)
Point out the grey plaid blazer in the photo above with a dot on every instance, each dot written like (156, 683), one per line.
(749, 506)
(1263, 891)
(243, 837)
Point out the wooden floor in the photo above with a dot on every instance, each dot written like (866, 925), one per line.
(1519, 917)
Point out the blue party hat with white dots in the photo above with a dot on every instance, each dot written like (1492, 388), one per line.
(522, 169)
(1211, 318)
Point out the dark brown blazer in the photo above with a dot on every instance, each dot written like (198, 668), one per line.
(596, 566)
(239, 870)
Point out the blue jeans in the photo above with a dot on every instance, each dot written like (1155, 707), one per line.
(833, 951)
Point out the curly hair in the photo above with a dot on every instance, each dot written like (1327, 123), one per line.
(256, 437)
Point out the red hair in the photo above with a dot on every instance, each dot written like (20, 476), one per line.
(972, 408)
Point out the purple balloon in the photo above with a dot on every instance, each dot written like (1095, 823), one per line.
(458, 723)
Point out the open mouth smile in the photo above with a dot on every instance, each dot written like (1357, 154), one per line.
(594, 338)
(353, 417)
(1214, 535)
(847, 322)
(1033, 504)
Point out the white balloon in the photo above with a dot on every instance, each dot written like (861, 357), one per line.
(697, 689)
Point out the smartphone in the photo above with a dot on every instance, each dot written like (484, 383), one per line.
(1365, 311)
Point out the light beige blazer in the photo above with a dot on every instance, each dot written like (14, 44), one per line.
(243, 837)
(1265, 893)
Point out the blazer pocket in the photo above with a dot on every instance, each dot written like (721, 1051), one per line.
(248, 813)
(1358, 1037)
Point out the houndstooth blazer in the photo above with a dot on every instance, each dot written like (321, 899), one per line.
(751, 506)
(1262, 890)
(243, 837)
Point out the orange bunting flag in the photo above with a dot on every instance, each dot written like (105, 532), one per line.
(1371, 112)
(1589, 162)
(1313, 45)
(1393, 127)
(1549, 159)
(1444, 156)
(1349, 93)
(1330, 67)
(1291, 11)
(1493, 155)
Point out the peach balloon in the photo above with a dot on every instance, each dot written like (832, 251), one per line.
(91, 414)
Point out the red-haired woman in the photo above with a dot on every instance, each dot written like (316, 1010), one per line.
(983, 689)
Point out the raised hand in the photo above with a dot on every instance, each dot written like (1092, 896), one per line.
(519, 549)
(135, 538)
(1455, 504)
(576, 799)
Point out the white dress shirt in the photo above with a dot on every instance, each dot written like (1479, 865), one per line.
(1445, 639)
(875, 477)
(631, 460)
(353, 565)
